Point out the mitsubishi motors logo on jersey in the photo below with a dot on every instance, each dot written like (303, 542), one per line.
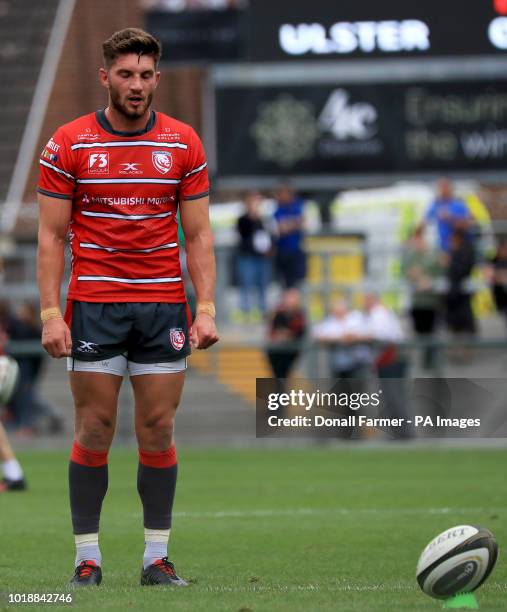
(162, 160)
(98, 163)
(177, 338)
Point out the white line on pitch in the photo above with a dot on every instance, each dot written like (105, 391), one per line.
(284, 588)
(329, 511)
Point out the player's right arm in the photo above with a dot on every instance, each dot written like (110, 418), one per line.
(54, 219)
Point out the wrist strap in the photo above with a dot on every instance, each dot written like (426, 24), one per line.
(50, 313)
(206, 308)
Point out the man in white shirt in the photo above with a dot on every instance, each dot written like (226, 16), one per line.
(382, 325)
(380, 321)
(342, 330)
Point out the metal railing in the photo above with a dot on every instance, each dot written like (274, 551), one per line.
(314, 354)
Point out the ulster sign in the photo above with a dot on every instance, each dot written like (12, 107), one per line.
(321, 29)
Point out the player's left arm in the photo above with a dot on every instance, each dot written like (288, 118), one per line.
(194, 216)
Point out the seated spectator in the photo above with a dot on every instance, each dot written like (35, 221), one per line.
(286, 329)
(383, 326)
(343, 330)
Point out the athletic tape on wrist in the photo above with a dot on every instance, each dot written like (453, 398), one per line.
(207, 308)
(50, 313)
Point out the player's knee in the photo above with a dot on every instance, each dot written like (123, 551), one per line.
(157, 431)
(95, 431)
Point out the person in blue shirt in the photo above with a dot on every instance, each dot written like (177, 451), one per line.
(449, 213)
(290, 259)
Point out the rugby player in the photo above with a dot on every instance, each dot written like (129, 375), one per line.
(113, 180)
(13, 479)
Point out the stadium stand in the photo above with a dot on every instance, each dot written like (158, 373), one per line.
(25, 27)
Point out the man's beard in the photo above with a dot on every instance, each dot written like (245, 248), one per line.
(122, 108)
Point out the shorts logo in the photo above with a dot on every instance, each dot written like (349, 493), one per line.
(177, 338)
(87, 347)
(162, 161)
(98, 163)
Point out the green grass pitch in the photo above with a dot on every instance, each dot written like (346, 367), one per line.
(310, 529)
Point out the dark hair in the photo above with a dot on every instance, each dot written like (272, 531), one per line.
(130, 40)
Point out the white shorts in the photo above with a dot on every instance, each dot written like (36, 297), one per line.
(120, 366)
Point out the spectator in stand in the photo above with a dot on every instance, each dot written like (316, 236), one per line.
(286, 330)
(350, 357)
(342, 331)
(423, 269)
(253, 261)
(461, 261)
(383, 326)
(496, 273)
(449, 213)
(290, 259)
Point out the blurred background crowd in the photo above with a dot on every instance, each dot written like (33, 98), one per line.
(359, 193)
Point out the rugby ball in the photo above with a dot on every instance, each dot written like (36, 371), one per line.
(457, 561)
(9, 373)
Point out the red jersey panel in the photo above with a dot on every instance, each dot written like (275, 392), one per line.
(125, 189)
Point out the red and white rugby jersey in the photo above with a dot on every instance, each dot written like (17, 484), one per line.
(125, 189)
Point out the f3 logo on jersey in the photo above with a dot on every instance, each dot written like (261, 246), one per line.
(162, 160)
(98, 163)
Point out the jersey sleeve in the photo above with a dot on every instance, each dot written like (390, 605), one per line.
(57, 175)
(195, 182)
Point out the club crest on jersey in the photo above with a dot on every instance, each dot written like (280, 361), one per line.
(177, 337)
(162, 160)
(98, 163)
